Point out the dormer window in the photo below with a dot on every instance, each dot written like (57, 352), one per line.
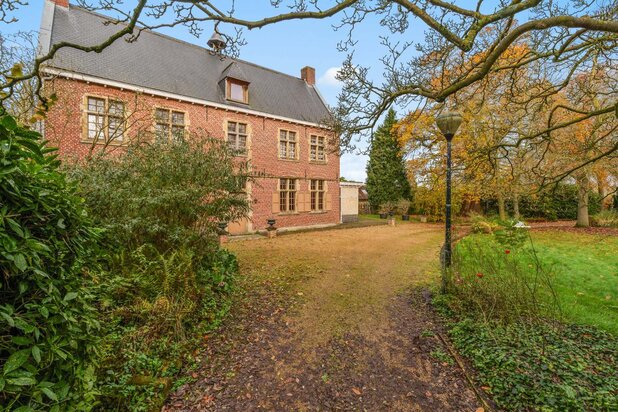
(237, 91)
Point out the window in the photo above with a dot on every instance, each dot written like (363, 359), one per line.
(287, 145)
(317, 151)
(106, 119)
(237, 137)
(287, 195)
(169, 125)
(237, 91)
(317, 195)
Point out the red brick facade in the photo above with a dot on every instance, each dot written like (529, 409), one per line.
(66, 123)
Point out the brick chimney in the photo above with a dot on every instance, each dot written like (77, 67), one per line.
(61, 3)
(308, 75)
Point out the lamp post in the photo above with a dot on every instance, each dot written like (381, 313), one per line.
(448, 123)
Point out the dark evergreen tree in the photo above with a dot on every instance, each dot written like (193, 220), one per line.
(386, 170)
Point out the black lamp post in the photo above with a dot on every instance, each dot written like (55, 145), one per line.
(448, 123)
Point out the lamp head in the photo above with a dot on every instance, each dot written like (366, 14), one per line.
(448, 123)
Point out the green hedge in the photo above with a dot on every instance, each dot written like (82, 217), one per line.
(560, 203)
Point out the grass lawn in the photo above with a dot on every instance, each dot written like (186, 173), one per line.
(585, 274)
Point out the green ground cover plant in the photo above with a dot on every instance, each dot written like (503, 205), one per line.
(537, 317)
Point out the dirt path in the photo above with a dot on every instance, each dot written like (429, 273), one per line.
(327, 322)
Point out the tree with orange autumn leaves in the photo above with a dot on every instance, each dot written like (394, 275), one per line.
(520, 134)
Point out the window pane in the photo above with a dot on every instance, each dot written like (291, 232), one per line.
(178, 133)
(237, 92)
(116, 128)
(313, 155)
(292, 150)
(283, 201)
(162, 132)
(292, 184)
(116, 108)
(178, 118)
(242, 143)
(96, 105)
(231, 141)
(283, 184)
(320, 200)
(283, 150)
(162, 115)
(95, 126)
(283, 135)
(231, 126)
(242, 128)
(292, 203)
(292, 136)
(320, 185)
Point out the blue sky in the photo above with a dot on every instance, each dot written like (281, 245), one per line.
(285, 47)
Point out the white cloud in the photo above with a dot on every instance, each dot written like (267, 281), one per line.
(330, 78)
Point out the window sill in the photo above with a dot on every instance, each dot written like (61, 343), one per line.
(288, 213)
(318, 212)
(318, 162)
(102, 143)
(236, 101)
(289, 160)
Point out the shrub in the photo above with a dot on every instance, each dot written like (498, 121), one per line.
(559, 203)
(503, 282)
(606, 218)
(165, 281)
(481, 224)
(403, 206)
(48, 327)
(164, 194)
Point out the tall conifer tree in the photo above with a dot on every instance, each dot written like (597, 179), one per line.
(386, 169)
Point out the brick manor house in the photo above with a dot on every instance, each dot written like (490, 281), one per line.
(173, 90)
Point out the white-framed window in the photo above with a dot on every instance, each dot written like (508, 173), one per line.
(287, 195)
(317, 148)
(317, 190)
(288, 145)
(105, 119)
(169, 125)
(237, 134)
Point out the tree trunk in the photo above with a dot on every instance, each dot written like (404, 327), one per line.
(501, 208)
(516, 205)
(583, 220)
(602, 188)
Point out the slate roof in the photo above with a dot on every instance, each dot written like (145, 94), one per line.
(159, 62)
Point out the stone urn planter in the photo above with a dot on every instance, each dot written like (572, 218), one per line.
(423, 219)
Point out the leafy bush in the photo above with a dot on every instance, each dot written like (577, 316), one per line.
(481, 224)
(606, 218)
(48, 326)
(542, 367)
(403, 206)
(164, 194)
(494, 281)
(560, 203)
(165, 281)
